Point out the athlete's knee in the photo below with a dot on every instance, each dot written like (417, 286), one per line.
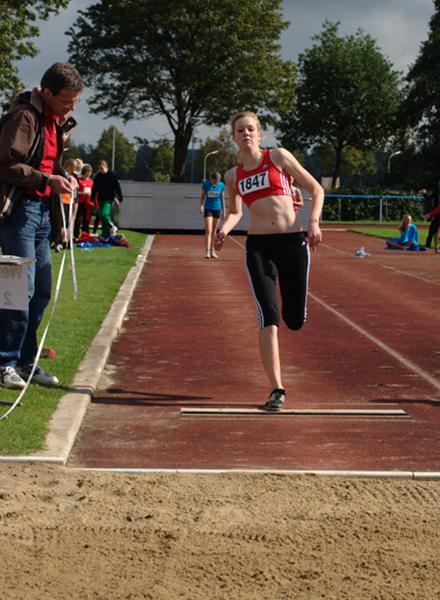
(264, 324)
(294, 322)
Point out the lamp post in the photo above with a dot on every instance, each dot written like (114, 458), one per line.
(151, 171)
(392, 156)
(113, 148)
(204, 162)
(194, 141)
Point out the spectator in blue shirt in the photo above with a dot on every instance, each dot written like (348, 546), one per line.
(212, 205)
(409, 238)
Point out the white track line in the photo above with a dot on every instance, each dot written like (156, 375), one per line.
(335, 249)
(387, 267)
(333, 473)
(404, 361)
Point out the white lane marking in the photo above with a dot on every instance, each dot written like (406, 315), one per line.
(404, 361)
(388, 267)
(399, 357)
(334, 249)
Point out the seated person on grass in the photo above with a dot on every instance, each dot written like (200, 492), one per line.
(409, 238)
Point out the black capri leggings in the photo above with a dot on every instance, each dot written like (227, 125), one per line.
(433, 228)
(286, 255)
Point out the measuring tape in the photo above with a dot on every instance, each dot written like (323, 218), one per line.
(69, 230)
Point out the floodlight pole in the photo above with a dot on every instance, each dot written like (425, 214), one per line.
(113, 148)
(204, 162)
(392, 156)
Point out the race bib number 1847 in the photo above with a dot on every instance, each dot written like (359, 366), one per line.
(254, 183)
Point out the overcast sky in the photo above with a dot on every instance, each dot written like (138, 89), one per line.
(398, 26)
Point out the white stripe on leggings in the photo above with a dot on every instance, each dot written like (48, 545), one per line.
(260, 315)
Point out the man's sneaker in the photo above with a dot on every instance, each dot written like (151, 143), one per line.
(39, 375)
(275, 400)
(207, 253)
(9, 378)
(214, 254)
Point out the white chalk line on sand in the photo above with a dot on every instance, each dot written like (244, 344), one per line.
(382, 345)
(419, 475)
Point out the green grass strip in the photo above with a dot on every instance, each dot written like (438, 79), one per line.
(385, 232)
(100, 272)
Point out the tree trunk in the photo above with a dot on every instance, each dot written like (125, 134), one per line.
(181, 143)
(338, 163)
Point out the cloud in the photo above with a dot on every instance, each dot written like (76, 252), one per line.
(398, 26)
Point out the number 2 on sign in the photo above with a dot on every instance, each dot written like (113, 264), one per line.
(7, 299)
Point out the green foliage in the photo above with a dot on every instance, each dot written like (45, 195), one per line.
(358, 162)
(347, 96)
(71, 150)
(163, 159)
(101, 273)
(385, 232)
(225, 157)
(421, 107)
(354, 161)
(341, 208)
(194, 62)
(125, 153)
(16, 30)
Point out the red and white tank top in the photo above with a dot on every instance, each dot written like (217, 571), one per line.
(265, 180)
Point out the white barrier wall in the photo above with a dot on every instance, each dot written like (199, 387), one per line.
(162, 206)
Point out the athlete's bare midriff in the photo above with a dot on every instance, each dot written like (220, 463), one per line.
(272, 214)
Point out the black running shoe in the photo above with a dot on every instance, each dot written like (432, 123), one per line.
(275, 400)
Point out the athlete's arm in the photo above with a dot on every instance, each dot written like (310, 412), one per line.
(290, 165)
(235, 210)
(298, 199)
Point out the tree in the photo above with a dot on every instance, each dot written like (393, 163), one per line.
(142, 170)
(354, 162)
(225, 157)
(71, 150)
(421, 106)
(16, 30)
(85, 152)
(193, 62)
(347, 96)
(163, 159)
(125, 153)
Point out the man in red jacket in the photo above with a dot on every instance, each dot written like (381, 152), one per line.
(32, 137)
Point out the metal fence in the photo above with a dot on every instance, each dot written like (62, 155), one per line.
(352, 207)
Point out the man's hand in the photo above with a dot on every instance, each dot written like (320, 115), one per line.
(73, 182)
(61, 185)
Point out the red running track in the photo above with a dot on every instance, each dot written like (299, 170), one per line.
(190, 340)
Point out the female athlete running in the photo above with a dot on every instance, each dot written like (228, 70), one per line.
(276, 246)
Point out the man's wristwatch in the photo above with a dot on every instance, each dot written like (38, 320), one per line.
(45, 178)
